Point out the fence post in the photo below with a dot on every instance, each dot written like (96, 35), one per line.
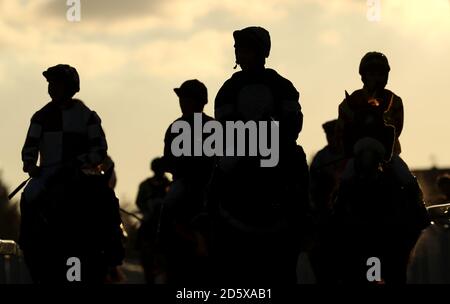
(12, 270)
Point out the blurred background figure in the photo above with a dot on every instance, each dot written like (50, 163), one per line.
(9, 215)
(12, 267)
(430, 263)
(325, 173)
(325, 170)
(150, 198)
(443, 184)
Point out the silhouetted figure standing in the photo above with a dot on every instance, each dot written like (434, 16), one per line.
(67, 208)
(325, 171)
(9, 215)
(429, 262)
(443, 184)
(152, 190)
(150, 198)
(258, 211)
(184, 220)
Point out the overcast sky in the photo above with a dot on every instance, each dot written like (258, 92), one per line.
(131, 54)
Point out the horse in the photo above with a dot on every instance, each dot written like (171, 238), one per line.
(373, 216)
(76, 214)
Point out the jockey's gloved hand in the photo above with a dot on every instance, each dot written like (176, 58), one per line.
(32, 170)
(36, 172)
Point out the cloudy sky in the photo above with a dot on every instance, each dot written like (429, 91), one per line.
(131, 54)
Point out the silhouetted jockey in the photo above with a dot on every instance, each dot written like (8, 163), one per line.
(184, 216)
(373, 217)
(152, 192)
(258, 211)
(443, 184)
(429, 263)
(376, 112)
(373, 97)
(325, 171)
(67, 208)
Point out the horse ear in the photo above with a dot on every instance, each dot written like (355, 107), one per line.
(346, 94)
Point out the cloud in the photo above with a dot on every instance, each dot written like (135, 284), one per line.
(428, 19)
(339, 7)
(113, 34)
(256, 10)
(329, 37)
(203, 54)
(416, 17)
(109, 10)
(92, 58)
(124, 17)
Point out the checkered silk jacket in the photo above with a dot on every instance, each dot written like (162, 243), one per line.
(59, 136)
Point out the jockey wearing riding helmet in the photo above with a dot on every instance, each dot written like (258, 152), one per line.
(374, 98)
